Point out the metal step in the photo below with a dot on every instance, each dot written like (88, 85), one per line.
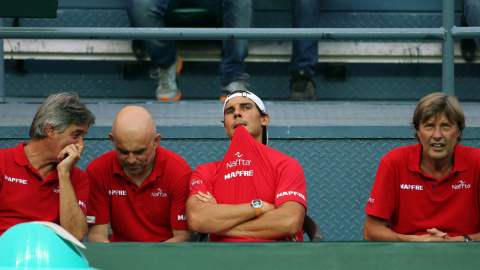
(198, 51)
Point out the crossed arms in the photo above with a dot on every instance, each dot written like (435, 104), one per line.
(207, 216)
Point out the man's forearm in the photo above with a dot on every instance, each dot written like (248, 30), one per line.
(382, 233)
(285, 221)
(377, 229)
(386, 234)
(475, 237)
(94, 237)
(179, 236)
(98, 233)
(213, 218)
(72, 218)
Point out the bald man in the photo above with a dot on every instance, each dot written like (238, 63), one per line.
(140, 188)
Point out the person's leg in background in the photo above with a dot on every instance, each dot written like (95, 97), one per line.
(470, 17)
(305, 14)
(151, 13)
(236, 14)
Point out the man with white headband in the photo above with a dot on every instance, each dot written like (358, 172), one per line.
(260, 106)
(255, 193)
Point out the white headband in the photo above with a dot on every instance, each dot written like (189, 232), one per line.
(248, 95)
(257, 101)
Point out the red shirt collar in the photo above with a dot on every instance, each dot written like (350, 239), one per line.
(459, 159)
(19, 155)
(21, 159)
(158, 167)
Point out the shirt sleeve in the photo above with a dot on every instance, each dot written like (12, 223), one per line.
(81, 188)
(99, 204)
(381, 202)
(202, 179)
(178, 215)
(291, 183)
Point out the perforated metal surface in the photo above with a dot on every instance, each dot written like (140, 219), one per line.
(82, 18)
(345, 19)
(339, 176)
(270, 80)
(282, 5)
(357, 19)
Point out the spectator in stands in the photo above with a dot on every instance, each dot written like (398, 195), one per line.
(140, 188)
(255, 193)
(428, 191)
(39, 180)
(151, 13)
(305, 14)
(471, 17)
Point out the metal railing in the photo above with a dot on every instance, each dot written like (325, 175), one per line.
(446, 34)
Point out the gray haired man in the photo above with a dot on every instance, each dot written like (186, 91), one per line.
(39, 180)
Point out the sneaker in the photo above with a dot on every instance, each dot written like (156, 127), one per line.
(302, 87)
(467, 46)
(167, 89)
(237, 84)
(138, 49)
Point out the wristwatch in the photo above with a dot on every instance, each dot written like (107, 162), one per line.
(467, 238)
(257, 206)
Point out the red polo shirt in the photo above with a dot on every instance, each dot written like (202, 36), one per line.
(147, 213)
(414, 202)
(25, 197)
(249, 171)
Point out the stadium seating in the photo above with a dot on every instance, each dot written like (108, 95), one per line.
(348, 69)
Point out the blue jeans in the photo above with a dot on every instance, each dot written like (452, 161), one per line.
(305, 14)
(150, 13)
(471, 9)
(236, 13)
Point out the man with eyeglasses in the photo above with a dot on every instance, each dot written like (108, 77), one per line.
(255, 193)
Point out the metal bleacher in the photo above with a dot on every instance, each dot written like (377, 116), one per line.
(349, 68)
(367, 91)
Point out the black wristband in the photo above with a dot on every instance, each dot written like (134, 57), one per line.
(467, 238)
